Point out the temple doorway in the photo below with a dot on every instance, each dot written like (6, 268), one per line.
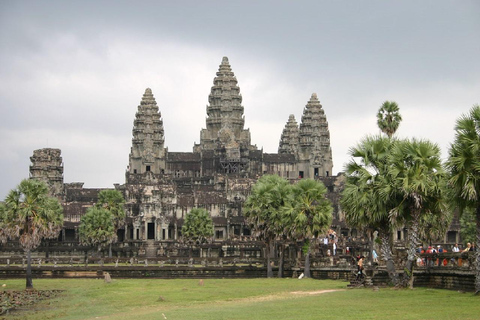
(151, 231)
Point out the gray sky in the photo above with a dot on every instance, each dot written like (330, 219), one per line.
(72, 73)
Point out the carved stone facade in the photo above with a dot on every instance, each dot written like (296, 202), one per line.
(47, 166)
(161, 187)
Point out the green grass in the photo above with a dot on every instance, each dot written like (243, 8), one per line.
(240, 299)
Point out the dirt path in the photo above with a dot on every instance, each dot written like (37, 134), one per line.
(316, 292)
(148, 311)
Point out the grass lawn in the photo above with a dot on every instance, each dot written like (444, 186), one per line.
(240, 299)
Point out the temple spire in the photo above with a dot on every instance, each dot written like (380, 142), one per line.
(147, 153)
(315, 137)
(225, 119)
(289, 139)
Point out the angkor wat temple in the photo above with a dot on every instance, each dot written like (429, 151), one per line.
(161, 187)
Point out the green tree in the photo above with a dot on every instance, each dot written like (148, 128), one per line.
(419, 179)
(97, 228)
(198, 226)
(29, 214)
(464, 168)
(312, 214)
(367, 198)
(112, 201)
(389, 118)
(468, 226)
(264, 211)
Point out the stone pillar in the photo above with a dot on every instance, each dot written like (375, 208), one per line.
(176, 232)
(145, 226)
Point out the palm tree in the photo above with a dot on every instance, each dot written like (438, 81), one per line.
(97, 228)
(389, 118)
(312, 214)
(29, 215)
(464, 167)
(264, 211)
(419, 179)
(112, 201)
(198, 226)
(367, 198)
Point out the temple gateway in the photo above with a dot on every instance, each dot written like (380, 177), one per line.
(161, 187)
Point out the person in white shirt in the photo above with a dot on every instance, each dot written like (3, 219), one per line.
(456, 248)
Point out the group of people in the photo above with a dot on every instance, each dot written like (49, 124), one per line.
(331, 238)
(440, 249)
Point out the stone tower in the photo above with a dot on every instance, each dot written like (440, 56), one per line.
(47, 166)
(315, 153)
(290, 137)
(225, 121)
(147, 153)
(225, 134)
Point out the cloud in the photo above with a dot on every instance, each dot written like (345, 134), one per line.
(72, 74)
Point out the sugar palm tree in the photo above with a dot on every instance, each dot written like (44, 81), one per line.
(367, 198)
(112, 201)
(312, 214)
(389, 118)
(29, 215)
(264, 210)
(97, 228)
(419, 179)
(198, 225)
(464, 167)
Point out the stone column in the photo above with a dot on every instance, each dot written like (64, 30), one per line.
(145, 226)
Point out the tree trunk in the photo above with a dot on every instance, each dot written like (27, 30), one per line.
(100, 252)
(269, 266)
(29, 283)
(386, 253)
(370, 246)
(306, 271)
(477, 254)
(280, 260)
(411, 251)
(110, 250)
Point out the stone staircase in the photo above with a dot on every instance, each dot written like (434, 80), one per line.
(366, 284)
(150, 249)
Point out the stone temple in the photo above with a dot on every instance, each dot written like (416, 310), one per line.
(161, 187)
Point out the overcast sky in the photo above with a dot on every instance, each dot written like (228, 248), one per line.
(72, 73)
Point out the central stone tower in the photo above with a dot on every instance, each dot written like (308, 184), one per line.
(225, 134)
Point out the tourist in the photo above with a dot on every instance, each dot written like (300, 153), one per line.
(469, 245)
(420, 262)
(375, 256)
(473, 248)
(456, 248)
(360, 266)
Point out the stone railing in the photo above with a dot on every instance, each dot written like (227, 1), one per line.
(456, 260)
